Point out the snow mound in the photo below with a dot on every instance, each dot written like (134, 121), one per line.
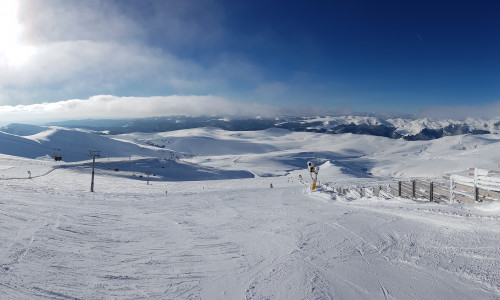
(22, 129)
(492, 207)
(72, 145)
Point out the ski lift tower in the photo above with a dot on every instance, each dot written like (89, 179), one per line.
(93, 154)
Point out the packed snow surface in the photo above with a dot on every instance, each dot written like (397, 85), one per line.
(208, 225)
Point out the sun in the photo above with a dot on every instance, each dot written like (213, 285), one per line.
(12, 51)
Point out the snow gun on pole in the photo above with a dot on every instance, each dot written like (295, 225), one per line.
(313, 171)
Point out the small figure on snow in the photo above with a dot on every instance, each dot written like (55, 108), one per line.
(271, 186)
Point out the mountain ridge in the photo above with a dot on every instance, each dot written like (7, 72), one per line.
(388, 126)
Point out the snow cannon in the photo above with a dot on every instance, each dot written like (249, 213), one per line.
(313, 171)
(310, 166)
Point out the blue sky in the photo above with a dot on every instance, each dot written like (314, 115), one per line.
(385, 56)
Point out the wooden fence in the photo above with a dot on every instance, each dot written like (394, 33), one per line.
(476, 186)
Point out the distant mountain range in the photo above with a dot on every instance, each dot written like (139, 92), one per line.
(394, 127)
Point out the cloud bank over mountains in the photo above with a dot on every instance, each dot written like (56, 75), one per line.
(112, 107)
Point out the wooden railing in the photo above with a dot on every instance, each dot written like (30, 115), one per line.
(477, 186)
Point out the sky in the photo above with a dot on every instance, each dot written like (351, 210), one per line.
(255, 57)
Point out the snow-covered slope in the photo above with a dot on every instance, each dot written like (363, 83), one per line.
(72, 145)
(19, 146)
(208, 225)
(358, 156)
(270, 152)
(236, 239)
(23, 129)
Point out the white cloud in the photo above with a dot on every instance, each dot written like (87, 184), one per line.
(85, 48)
(112, 107)
(47, 21)
(63, 69)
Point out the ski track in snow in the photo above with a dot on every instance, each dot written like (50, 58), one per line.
(237, 239)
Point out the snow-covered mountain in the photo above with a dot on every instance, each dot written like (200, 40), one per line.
(72, 144)
(269, 152)
(408, 128)
(208, 225)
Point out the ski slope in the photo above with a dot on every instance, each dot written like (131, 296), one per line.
(221, 232)
(73, 145)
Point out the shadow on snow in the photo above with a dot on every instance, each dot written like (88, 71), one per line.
(160, 170)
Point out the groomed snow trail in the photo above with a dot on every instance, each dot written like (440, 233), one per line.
(235, 239)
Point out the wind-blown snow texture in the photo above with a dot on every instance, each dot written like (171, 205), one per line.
(234, 237)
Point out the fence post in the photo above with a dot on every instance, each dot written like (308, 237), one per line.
(431, 191)
(451, 189)
(399, 188)
(476, 190)
(361, 192)
(413, 188)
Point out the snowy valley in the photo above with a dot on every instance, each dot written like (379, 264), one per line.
(190, 214)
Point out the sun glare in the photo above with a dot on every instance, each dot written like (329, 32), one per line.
(12, 51)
